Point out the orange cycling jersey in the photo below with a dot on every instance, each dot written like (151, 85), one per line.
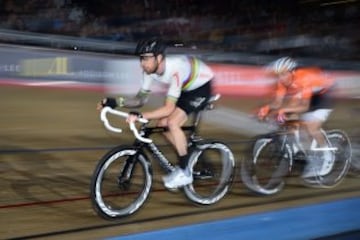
(305, 83)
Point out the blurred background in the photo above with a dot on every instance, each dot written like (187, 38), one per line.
(314, 28)
(246, 33)
(51, 136)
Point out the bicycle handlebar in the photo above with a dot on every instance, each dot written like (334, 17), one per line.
(105, 120)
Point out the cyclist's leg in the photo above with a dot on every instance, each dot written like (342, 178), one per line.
(164, 123)
(189, 102)
(175, 134)
(181, 176)
(313, 122)
(313, 127)
(320, 110)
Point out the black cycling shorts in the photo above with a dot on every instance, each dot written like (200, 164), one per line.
(195, 100)
(322, 100)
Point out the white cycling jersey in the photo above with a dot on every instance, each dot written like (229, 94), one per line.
(182, 73)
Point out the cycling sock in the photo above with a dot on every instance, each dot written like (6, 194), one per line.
(183, 161)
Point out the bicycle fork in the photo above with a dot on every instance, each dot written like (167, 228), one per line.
(126, 171)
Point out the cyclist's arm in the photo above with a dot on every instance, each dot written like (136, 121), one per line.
(302, 106)
(300, 102)
(141, 97)
(138, 101)
(277, 102)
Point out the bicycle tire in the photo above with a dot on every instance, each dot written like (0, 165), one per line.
(342, 161)
(212, 163)
(113, 197)
(264, 170)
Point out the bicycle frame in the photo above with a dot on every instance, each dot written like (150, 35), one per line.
(291, 130)
(293, 139)
(289, 139)
(146, 131)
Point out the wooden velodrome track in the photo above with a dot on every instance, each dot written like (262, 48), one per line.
(51, 140)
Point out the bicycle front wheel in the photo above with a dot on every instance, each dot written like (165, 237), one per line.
(266, 165)
(212, 164)
(120, 183)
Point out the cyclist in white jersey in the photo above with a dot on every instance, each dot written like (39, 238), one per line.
(189, 88)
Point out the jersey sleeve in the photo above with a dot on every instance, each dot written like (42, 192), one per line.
(175, 86)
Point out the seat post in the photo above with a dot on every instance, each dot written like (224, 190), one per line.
(197, 118)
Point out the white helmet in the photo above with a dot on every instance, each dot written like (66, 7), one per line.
(281, 65)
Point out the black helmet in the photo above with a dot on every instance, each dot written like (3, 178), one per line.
(153, 45)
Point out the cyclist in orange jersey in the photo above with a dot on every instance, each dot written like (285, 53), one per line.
(304, 92)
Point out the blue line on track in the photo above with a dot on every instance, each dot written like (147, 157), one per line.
(306, 222)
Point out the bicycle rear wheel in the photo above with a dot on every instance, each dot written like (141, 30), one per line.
(339, 140)
(120, 183)
(267, 164)
(212, 164)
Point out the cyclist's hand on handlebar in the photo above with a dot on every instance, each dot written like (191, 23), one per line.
(281, 117)
(133, 116)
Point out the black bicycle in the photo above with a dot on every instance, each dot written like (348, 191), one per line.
(122, 180)
(272, 156)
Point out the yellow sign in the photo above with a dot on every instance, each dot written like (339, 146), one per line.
(44, 67)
